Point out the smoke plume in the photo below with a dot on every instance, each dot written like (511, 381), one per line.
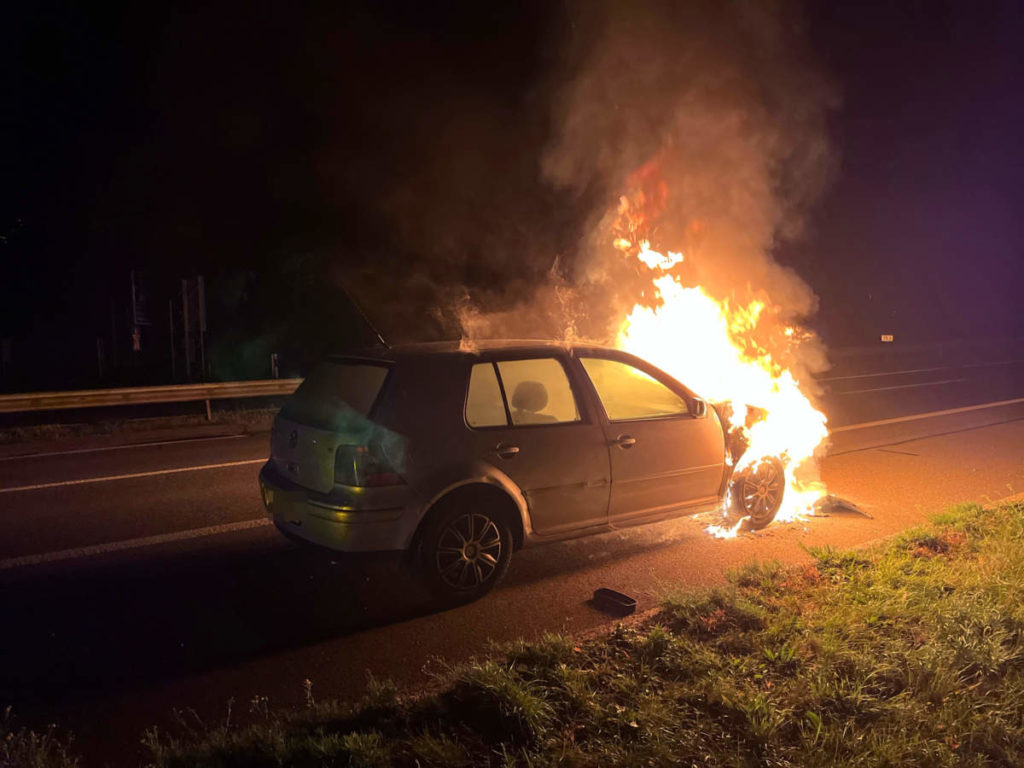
(713, 116)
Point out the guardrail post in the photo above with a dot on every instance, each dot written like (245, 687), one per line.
(209, 416)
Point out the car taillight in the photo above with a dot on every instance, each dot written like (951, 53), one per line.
(364, 466)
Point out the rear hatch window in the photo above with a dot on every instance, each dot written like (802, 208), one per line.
(330, 408)
(336, 394)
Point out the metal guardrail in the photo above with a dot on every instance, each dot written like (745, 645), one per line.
(176, 393)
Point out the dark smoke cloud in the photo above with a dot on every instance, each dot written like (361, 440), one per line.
(508, 229)
(719, 101)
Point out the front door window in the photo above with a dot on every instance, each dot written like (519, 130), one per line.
(629, 394)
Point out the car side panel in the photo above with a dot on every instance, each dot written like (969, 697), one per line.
(477, 472)
(673, 463)
(424, 405)
(562, 470)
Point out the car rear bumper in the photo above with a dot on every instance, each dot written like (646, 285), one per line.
(384, 523)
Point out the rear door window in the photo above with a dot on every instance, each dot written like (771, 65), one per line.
(484, 404)
(535, 391)
(629, 394)
(538, 391)
(335, 393)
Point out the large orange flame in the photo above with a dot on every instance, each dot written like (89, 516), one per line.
(706, 344)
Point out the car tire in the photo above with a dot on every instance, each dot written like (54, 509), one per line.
(756, 491)
(464, 552)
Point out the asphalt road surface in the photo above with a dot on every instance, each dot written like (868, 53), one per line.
(139, 579)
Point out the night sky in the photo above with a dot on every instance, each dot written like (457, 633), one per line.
(924, 221)
(287, 154)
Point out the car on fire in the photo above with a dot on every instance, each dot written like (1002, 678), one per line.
(457, 455)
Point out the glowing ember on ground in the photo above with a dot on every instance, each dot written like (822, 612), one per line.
(709, 345)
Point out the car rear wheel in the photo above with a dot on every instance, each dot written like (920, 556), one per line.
(464, 553)
(756, 492)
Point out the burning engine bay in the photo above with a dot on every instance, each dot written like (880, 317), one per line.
(732, 353)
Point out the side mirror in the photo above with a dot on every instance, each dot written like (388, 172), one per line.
(699, 408)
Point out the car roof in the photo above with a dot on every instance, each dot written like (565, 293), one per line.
(472, 347)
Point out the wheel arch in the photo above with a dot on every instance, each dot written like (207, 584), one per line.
(475, 491)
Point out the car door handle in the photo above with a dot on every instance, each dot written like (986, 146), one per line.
(506, 451)
(624, 441)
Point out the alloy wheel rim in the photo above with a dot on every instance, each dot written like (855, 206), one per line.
(762, 490)
(468, 551)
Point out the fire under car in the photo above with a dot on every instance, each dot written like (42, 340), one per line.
(457, 455)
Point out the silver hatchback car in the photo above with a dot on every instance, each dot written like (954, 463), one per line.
(459, 456)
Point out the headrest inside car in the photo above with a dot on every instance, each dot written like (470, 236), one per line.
(530, 396)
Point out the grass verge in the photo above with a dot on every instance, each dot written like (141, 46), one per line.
(22, 747)
(910, 653)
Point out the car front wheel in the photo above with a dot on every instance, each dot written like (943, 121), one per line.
(756, 492)
(464, 553)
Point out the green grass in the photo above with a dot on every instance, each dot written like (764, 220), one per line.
(28, 749)
(911, 653)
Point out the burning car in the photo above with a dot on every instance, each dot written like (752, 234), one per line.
(457, 455)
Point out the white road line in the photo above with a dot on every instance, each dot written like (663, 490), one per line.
(918, 370)
(119, 447)
(899, 386)
(883, 373)
(929, 415)
(118, 546)
(87, 480)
